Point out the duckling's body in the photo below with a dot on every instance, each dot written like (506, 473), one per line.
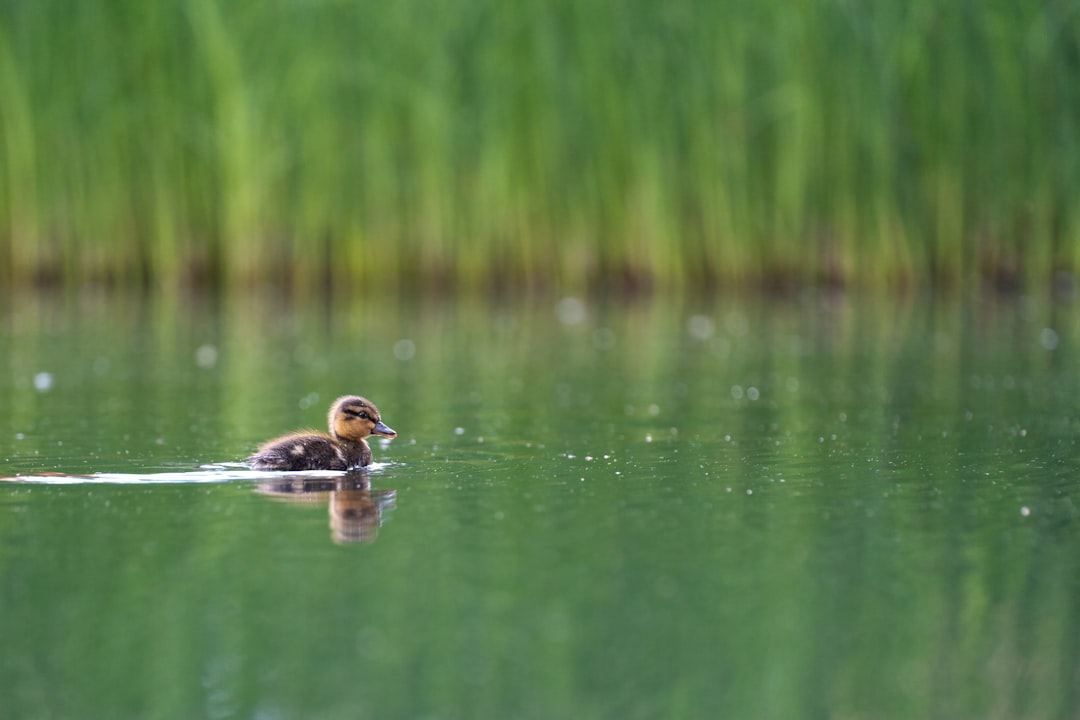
(352, 419)
(310, 450)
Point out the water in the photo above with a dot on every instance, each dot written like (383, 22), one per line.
(816, 507)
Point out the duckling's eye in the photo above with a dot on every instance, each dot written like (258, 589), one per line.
(357, 414)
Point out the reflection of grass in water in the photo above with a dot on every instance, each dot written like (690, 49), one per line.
(888, 559)
(546, 142)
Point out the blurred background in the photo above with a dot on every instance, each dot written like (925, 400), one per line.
(582, 254)
(551, 145)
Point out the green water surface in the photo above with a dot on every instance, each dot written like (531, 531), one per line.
(815, 507)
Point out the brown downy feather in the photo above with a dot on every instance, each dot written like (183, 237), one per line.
(351, 420)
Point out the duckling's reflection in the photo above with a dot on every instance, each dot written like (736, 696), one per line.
(356, 511)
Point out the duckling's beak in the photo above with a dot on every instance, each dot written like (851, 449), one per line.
(381, 429)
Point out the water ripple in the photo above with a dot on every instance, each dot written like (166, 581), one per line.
(217, 473)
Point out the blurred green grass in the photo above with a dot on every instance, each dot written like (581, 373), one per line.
(568, 144)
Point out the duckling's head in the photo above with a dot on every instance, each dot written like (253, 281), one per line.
(355, 418)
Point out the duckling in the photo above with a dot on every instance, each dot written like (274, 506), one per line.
(352, 419)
